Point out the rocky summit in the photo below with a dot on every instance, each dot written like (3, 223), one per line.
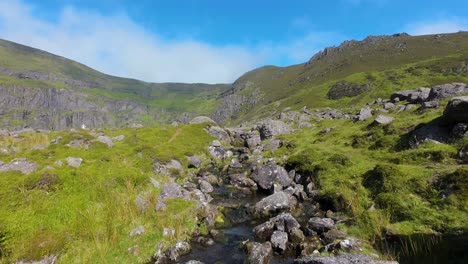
(357, 156)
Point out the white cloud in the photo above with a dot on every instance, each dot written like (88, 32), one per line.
(437, 26)
(118, 46)
(114, 44)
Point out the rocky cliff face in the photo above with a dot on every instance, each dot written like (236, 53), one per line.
(56, 109)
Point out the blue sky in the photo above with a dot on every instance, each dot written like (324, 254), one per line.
(211, 41)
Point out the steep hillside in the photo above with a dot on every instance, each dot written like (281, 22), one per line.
(42, 90)
(349, 74)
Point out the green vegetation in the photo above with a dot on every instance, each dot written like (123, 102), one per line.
(378, 67)
(85, 214)
(42, 70)
(364, 173)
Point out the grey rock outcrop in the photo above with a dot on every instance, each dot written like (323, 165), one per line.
(201, 120)
(443, 91)
(270, 128)
(383, 120)
(271, 173)
(417, 95)
(169, 191)
(457, 110)
(320, 225)
(275, 203)
(21, 164)
(279, 241)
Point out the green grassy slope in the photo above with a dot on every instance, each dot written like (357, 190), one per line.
(22, 62)
(85, 214)
(386, 64)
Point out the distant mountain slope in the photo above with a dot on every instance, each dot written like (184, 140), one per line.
(348, 74)
(43, 90)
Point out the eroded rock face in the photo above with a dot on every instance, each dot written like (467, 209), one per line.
(457, 110)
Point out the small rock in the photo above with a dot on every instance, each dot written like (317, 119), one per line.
(206, 187)
(274, 203)
(259, 253)
(118, 138)
(74, 162)
(194, 162)
(137, 231)
(430, 104)
(105, 140)
(383, 120)
(279, 241)
(364, 113)
(155, 183)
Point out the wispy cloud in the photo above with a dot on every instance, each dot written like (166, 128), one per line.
(448, 25)
(117, 45)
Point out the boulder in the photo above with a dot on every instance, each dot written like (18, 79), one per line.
(252, 140)
(443, 91)
(271, 173)
(383, 120)
(216, 150)
(341, 259)
(417, 95)
(320, 225)
(169, 191)
(259, 253)
(206, 187)
(173, 253)
(457, 110)
(219, 133)
(166, 168)
(74, 162)
(279, 241)
(242, 181)
(275, 203)
(105, 140)
(20, 164)
(389, 106)
(271, 128)
(282, 222)
(430, 104)
(364, 113)
(272, 145)
(201, 120)
(194, 162)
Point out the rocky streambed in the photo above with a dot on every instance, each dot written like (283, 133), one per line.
(269, 216)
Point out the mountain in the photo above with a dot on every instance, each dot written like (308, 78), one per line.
(42, 90)
(347, 75)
